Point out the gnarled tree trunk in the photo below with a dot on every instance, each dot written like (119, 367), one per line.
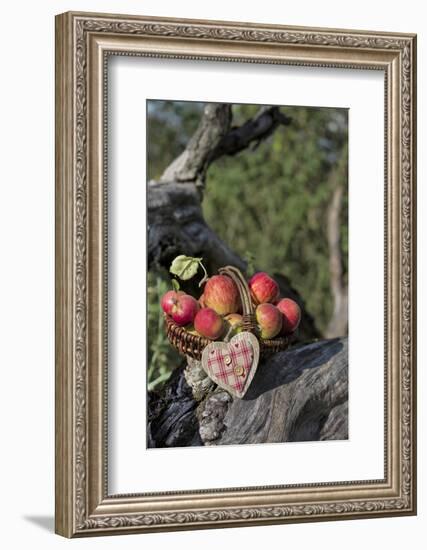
(297, 395)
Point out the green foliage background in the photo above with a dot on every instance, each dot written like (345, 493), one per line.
(269, 202)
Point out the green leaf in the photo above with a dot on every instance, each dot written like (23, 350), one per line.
(185, 267)
(175, 285)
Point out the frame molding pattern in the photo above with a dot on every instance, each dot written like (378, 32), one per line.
(245, 514)
(81, 26)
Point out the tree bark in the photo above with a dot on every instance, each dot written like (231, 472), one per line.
(193, 162)
(297, 395)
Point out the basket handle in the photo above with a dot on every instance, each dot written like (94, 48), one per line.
(245, 296)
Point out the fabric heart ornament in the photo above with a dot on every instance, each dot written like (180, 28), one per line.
(232, 364)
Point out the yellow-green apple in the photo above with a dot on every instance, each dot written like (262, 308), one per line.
(291, 313)
(192, 330)
(263, 288)
(269, 320)
(208, 323)
(221, 294)
(235, 320)
(180, 306)
(234, 323)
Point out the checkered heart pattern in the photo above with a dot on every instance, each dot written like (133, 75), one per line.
(232, 365)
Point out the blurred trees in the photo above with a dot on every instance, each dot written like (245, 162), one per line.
(269, 203)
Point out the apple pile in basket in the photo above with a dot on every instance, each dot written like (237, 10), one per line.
(231, 324)
(228, 305)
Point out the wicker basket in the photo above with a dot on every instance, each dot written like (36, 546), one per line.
(193, 345)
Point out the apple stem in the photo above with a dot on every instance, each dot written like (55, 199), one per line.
(206, 276)
(175, 285)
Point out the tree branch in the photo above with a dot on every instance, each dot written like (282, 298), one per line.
(253, 130)
(338, 323)
(192, 163)
(214, 139)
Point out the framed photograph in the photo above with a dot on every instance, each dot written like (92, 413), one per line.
(235, 274)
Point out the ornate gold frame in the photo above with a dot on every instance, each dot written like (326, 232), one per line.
(83, 42)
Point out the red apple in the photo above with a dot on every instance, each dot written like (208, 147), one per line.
(180, 306)
(269, 320)
(263, 288)
(221, 294)
(208, 323)
(291, 313)
(169, 299)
